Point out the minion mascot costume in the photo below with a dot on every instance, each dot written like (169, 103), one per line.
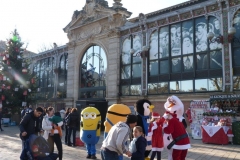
(175, 109)
(115, 114)
(90, 130)
(143, 108)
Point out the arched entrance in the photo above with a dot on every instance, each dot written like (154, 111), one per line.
(92, 81)
(92, 76)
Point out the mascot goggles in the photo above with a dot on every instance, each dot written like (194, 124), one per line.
(117, 114)
(91, 115)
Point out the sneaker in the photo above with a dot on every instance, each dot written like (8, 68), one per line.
(93, 157)
(88, 156)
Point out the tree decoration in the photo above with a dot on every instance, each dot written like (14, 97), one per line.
(24, 70)
(15, 70)
(15, 38)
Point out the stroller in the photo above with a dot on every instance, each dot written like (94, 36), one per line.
(37, 148)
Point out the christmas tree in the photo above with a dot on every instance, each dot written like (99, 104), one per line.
(16, 81)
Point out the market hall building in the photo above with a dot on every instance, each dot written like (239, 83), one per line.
(191, 50)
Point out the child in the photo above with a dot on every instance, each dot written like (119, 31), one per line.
(155, 129)
(138, 144)
(56, 119)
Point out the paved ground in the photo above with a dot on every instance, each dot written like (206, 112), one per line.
(10, 148)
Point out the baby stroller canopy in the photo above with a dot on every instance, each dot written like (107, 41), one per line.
(36, 148)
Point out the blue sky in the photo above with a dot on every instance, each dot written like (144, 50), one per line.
(41, 22)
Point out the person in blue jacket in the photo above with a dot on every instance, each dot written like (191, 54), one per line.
(138, 144)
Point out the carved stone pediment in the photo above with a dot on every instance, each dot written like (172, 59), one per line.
(95, 10)
(89, 31)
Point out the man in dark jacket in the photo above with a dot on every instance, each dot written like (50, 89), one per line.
(30, 124)
(73, 125)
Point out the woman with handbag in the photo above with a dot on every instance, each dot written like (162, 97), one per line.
(51, 132)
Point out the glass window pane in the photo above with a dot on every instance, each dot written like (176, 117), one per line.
(187, 86)
(135, 89)
(188, 63)
(187, 37)
(176, 65)
(202, 61)
(216, 59)
(164, 67)
(126, 72)
(125, 90)
(153, 51)
(153, 68)
(236, 25)
(164, 42)
(126, 56)
(236, 82)
(93, 68)
(201, 34)
(136, 71)
(162, 87)
(176, 40)
(152, 88)
(214, 26)
(201, 85)
(137, 46)
(215, 84)
(174, 86)
(236, 56)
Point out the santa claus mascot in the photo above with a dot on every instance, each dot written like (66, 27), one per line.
(174, 106)
(181, 142)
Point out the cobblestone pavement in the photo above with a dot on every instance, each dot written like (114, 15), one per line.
(10, 148)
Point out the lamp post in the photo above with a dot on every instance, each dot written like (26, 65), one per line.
(211, 36)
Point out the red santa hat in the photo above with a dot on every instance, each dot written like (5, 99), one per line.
(155, 115)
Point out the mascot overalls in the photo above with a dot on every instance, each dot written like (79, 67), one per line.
(143, 108)
(174, 106)
(90, 130)
(115, 114)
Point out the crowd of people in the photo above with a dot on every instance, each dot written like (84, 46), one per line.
(135, 137)
(49, 124)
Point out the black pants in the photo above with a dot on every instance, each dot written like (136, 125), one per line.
(70, 131)
(57, 140)
(1, 125)
(154, 154)
(66, 134)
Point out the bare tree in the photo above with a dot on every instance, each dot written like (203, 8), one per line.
(45, 47)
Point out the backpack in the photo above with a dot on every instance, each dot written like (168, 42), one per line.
(67, 120)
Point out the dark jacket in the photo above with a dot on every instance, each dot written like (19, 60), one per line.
(29, 124)
(1, 116)
(74, 119)
(141, 144)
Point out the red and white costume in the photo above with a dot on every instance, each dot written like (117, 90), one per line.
(176, 129)
(155, 130)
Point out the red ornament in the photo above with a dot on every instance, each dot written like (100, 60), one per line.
(8, 62)
(25, 92)
(1, 77)
(24, 70)
(32, 80)
(3, 97)
(8, 87)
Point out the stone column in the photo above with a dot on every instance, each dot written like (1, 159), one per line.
(70, 73)
(227, 68)
(113, 57)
